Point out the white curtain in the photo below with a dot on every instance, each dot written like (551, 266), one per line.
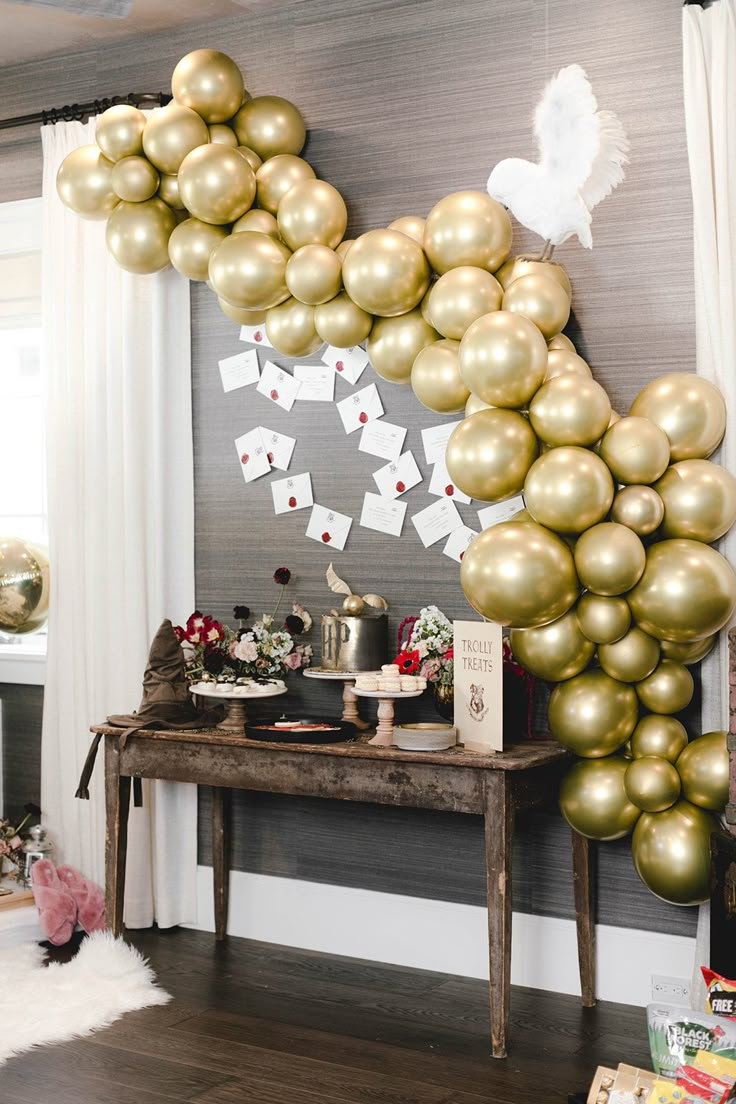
(121, 532)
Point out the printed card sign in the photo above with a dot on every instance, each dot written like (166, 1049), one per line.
(479, 685)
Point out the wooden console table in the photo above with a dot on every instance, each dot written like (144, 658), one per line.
(495, 787)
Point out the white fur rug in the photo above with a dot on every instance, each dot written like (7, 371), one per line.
(50, 1004)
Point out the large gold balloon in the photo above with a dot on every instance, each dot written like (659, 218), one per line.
(561, 341)
(593, 800)
(553, 652)
(631, 658)
(689, 409)
(223, 135)
(603, 620)
(658, 734)
(671, 853)
(474, 404)
(412, 226)
(568, 489)
(171, 133)
(263, 222)
(519, 574)
(668, 689)
(652, 784)
(638, 508)
(342, 323)
(395, 343)
(545, 302)
(490, 453)
(636, 450)
(168, 191)
(84, 183)
(216, 184)
(242, 317)
(516, 267)
(699, 500)
(277, 175)
(436, 380)
(503, 359)
(703, 767)
(687, 591)
(467, 228)
(137, 235)
(385, 272)
(569, 409)
(134, 179)
(312, 213)
(290, 329)
(460, 297)
(270, 125)
(689, 654)
(314, 274)
(251, 157)
(592, 714)
(210, 83)
(191, 245)
(561, 362)
(248, 270)
(24, 586)
(609, 559)
(119, 132)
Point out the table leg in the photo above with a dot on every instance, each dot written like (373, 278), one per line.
(117, 803)
(583, 870)
(385, 728)
(350, 708)
(221, 856)
(499, 835)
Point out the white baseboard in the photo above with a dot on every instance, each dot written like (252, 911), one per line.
(438, 935)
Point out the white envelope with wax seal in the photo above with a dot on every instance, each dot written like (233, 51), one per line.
(292, 493)
(278, 385)
(348, 363)
(253, 455)
(279, 448)
(255, 335)
(458, 541)
(329, 527)
(442, 485)
(360, 408)
(398, 476)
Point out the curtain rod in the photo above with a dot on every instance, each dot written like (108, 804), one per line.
(92, 107)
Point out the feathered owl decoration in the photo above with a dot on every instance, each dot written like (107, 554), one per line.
(582, 152)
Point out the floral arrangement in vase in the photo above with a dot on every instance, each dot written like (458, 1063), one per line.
(426, 647)
(217, 653)
(11, 843)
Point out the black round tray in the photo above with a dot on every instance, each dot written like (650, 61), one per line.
(340, 732)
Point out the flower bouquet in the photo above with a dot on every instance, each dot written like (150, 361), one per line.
(11, 843)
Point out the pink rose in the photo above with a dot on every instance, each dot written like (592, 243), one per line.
(293, 661)
(15, 843)
(246, 650)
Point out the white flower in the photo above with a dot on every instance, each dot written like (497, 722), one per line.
(246, 650)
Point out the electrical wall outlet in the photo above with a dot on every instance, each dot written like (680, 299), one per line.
(672, 990)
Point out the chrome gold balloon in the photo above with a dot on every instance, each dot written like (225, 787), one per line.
(553, 652)
(290, 329)
(689, 409)
(119, 132)
(699, 500)
(562, 361)
(436, 380)
(270, 125)
(24, 586)
(248, 270)
(342, 323)
(658, 734)
(386, 273)
(171, 133)
(262, 222)
(652, 784)
(474, 404)
(593, 799)
(561, 341)
(503, 359)
(168, 191)
(542, 300)
(467, 228)
(277, 175)
(216, 184)
(411, 225)
(687, 592)
(343, 247)
(251, 157)
(490, 453)
(312, 213)
(689, 653)
(191, 245)
(568, 489)
(603, 620)
(223, 135)
(668, 689)
(516, 267)
(671, 853)
(242, 317)
(210, 83)
(314, 274)
(703, 767)
(639, 508)
(137, 235)
(84, 183)
(609, 559)
(395, 343)
(631, 658)
(570, 410)
(460, 297)
(134, 179)
(636, 450)
(592, 714)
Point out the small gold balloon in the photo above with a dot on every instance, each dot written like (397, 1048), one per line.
(553, 652)
(84, 183)
(519, 574)
(168, 191)
(436, 380)
(342, 248)
(242, 317)
(671, 853)
(703, 767)
(314, 274)
(386, 273)
(609, 559)
(570, 410)
(545, 302)
(636, 450)
(467, 228)
(216, 184)
(262, 222)
(460, 297)
(568, 489)
(639, 508)
(270, 125)
(353, 605)
(668, 689)
(277, 175)
(631, 658)
(562, 362)
(516, 267)
(395, 343)
(561, 341)
(652, 784)
(119, 132)
(659, 734)
(474, 404)
(210, 83)
(290, 329)
(251, 157)
(248, 270)
(603, 620)
(689, 654)
(687, 592)
(191, 245)
(593, 799)
(171, 133)
(223, 135)
(592, 714)
(503, 359)
(134, 179)
(490, 453)
(137, 235)
(312, 213)
(24, 586)
(411, 225)
(699, 500)
(689, 409)
(341, 322)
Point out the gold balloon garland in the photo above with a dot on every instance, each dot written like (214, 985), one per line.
(607, 579)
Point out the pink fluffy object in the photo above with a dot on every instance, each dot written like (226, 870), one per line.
(88, 897)
(57, 909)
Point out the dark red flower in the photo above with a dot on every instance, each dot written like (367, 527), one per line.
(294, 624)
(281, 576)
(242, 613)
(408, 662)
(213, 660)
(179, 633)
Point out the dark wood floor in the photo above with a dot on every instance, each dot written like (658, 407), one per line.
(253, 1023)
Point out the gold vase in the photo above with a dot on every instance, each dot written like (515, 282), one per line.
(444, 700)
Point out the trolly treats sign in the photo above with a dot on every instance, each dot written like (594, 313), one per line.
(478, 650)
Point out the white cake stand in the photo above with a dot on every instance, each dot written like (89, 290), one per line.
(234, 699)
(350, 702)
(385, 728)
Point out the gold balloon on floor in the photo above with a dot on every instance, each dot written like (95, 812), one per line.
(699, 500)
(467, 228)
(636, 450)
(609, 559)
(395, 343)
(516, 267)
(312, 213)
(474, 404)
(603, 620)
(503, 359)
(290, 329)
(703, 767)
(171, 133)
(341, 322)
(593, 799)
(652, 784)
(137, 235)
(191, 245)
(436, 380)
(689, 653)
(216, 184)
(84, 183)
(385, 273)
(270, 125)
(671, 852)
(119, 132)
(490, 453)
(248, 270)
(540, 299)
(592, 714)
(276, 176)
(570, 410)
(563, 361)
(519, 574)
(24, 586)
(262, 222)
(658, 734)
(411, 225)
(668, 689)
(568, 489)
(460, 297)
(553, 652)
(168, 191)
(210, 83)
(134, 179)
(314, 274)
(242, 317)
(639, 508)
(631, 658)
(689, 409)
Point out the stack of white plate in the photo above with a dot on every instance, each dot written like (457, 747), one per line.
(425, 736)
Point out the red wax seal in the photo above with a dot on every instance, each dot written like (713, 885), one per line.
(339, 366)
(274, 394)
(362, 417)
(461, 555)
(400, 487)
(326, 538)
(258, 336)
(244, 458)
(292, 502)
(269, 457)
(449, 489)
